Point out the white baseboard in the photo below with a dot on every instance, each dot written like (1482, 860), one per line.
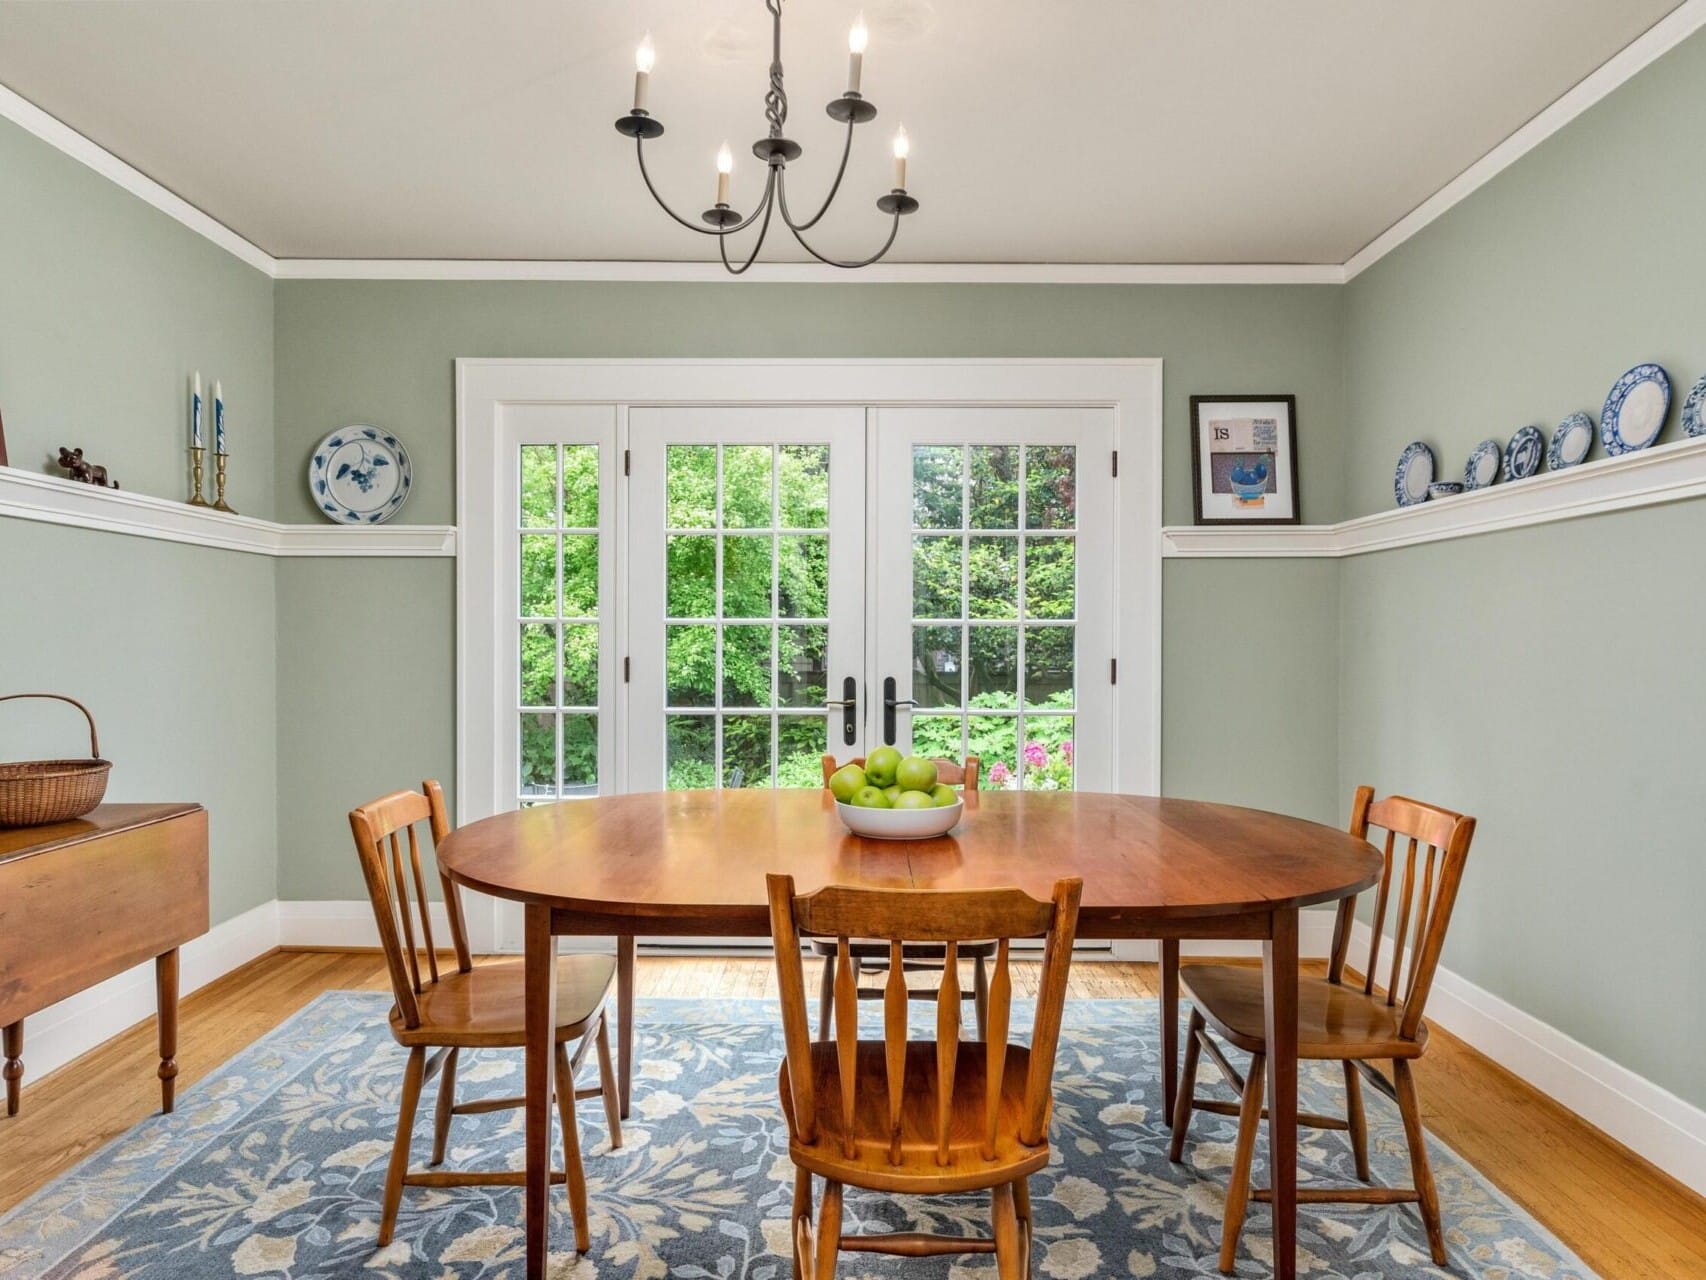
(1651, 1121)
(344, 923)
(72, 1027)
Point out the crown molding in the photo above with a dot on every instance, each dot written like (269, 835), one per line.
(1611, 75)
(1670, 472)
(1621, 67)
(24, 495)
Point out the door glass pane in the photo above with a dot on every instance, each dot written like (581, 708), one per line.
(756, 657)
(993, 687)
(557, 622)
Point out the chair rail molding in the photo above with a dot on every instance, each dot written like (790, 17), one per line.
(1671, 472)
(25, 495)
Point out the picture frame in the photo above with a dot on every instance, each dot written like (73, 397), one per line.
(1244, 460)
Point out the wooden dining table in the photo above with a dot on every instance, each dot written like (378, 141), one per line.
(693, 863)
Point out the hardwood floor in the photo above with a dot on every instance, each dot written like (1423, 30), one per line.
(1624, 1217)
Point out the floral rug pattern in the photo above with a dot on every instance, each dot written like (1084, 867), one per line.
(272, 1166)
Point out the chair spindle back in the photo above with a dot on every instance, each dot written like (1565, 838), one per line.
(922, 916)
(1439, 839)
(948, 772)
(381, 829)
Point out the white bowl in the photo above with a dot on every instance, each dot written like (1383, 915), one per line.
(900, 824)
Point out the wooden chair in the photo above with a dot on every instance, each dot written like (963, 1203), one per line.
(1353, 1025)
(923, 1117)
(468, 1008)
(865, 954)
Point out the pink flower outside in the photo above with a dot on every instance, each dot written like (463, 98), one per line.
(1066, 751)
(1000, 774)
(1036, 755)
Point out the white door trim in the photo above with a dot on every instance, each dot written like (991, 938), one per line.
(1131, 387)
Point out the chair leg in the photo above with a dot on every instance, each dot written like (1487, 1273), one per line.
(828, 1233)
(575, 1174)
(1182, 1100)
(1408, 1106)
(607, 1085)
(1355, 1117)
(980, 995)
(1022, 1206)
(802, 1224)
(1004, 1218)
(1243, 1156)
(446, 1101)
(413, 1074)
(826, 997)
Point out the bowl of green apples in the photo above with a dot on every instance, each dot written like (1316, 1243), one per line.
(894, 797)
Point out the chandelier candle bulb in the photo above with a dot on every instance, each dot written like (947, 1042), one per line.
(856, 40)
(725, 166)
(644, 59)
(902, 149)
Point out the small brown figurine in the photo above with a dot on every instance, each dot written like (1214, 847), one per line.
(83, 471)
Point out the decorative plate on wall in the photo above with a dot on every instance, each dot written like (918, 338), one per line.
(1523, 454)
(1415, 473)
(1482, 469)
(360, 475)
(1571, 442)
(1635, 410)
(1693, 411)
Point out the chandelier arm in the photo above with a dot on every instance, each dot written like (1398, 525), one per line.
(640, 151)
(782, 200)
(846, 151)
(763, 231)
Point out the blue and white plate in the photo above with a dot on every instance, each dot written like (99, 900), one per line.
(1415, 473)
(1482, 469)
(1523, 454)
(1572, 441)
(1694, 410)
(1635, 410)
(360, 475)
(1444, 489)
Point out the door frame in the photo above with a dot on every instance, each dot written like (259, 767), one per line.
(485, 387)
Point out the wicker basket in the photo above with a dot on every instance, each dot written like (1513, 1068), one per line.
(35, 792)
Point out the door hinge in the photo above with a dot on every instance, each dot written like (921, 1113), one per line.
(1113, 670)
(627, 669)
(627, 461)
(1116, 463)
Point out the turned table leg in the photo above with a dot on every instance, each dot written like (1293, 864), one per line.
(540, 962)
(14, 1035)
(1169, 1026)
(1279, 983)
(166, 1017)
(625, 1019)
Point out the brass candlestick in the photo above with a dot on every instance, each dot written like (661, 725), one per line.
(196, 500)
(219, 503)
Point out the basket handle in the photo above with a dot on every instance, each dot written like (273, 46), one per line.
(94, 741)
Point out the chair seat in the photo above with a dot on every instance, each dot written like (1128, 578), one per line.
(872, 949)
(870, 1167)
(485, 1007)
(1333, 1021)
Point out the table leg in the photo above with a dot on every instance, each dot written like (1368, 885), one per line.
(541, 999)
(14, 1038)
(166, 1022)
(625, 1018)
(1279, 982)
(1169, 1026)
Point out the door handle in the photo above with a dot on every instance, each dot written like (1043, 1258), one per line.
(849, 704)
(890, 702)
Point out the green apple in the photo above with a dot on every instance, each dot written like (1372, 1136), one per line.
(942, 795)
(869, 798)
(880, 766)
(915, 773)
(845, 781)
(893, 793)
(915, 800)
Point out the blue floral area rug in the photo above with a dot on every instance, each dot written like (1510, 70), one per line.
(272, 1166)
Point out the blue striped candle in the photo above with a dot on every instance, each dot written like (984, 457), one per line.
(195, 412)
(219, 420)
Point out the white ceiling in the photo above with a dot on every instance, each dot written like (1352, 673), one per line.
(1104, 131)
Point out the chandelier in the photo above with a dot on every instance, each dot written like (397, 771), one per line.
(776, 150)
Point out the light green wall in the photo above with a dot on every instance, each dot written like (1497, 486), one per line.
(172, 650)
(105, 307)
(383, 353)
(1548, 680)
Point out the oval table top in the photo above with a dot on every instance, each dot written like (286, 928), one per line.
(702, 856)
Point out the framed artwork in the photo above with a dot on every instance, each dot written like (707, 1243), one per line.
(1244, 459)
